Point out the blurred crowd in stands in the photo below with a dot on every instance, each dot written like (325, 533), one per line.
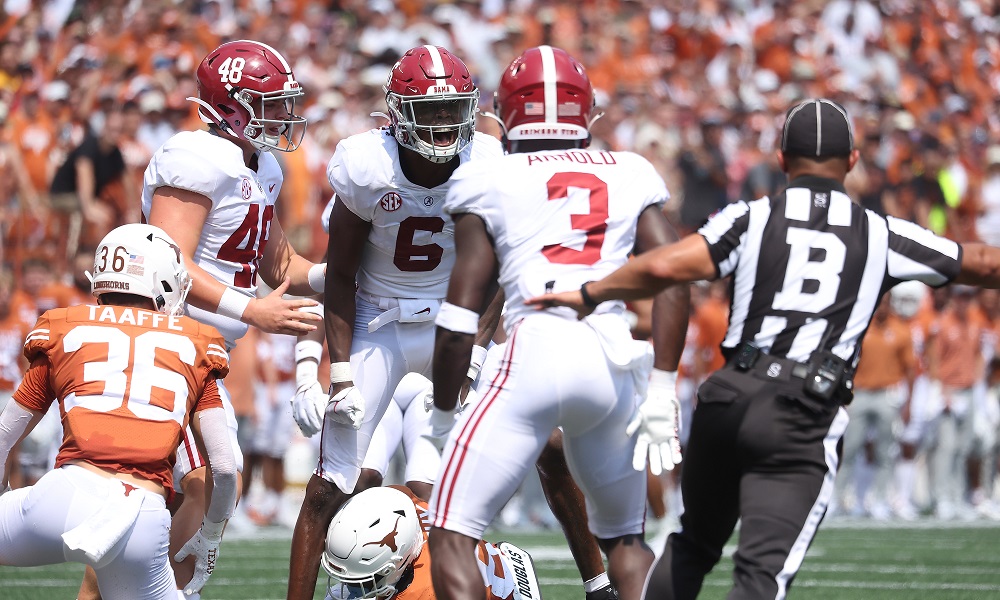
(89, 89)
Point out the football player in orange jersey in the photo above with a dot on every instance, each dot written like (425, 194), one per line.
(375, 548)
(129, 374)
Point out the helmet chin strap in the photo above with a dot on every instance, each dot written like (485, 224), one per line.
(438, 159)
(219, 121)
(503, 130)
(594, 118)
(495, 118)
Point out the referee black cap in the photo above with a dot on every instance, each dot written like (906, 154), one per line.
(817, 128)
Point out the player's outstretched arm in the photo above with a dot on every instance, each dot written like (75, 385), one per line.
(686, 261)
(182, 214)
(980, 265)
(280, 261)
(276, 314)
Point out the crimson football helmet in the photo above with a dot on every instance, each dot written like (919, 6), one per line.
(432, 102)
(545, 94)
(247, 89)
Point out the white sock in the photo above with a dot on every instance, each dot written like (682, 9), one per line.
(906, 474)
(268, 503)
(599, 582)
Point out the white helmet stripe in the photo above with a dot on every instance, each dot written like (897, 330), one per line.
(549, 79)
(284, 63)
(436, 61)
(819, 129)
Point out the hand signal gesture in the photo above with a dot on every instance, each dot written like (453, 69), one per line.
(274, 314)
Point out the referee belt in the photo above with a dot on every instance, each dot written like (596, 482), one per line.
(750, 358)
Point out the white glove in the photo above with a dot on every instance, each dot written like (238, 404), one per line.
(308, 407)
(442, 422)
(471, 399)
(347, 407)
(657, 420)
(204, 546)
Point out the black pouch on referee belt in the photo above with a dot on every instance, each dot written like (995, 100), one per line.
(825, 377)
(746, 356)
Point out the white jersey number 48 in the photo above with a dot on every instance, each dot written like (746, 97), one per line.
(231, 69)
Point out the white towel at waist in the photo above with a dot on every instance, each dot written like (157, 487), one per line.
(625, 352)
(97, 534)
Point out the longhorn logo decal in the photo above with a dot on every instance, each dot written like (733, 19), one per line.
(390, 538)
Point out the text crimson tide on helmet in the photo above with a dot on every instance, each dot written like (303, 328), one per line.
(432, 102)
(545, 94)
(247, 89)
(142, 260)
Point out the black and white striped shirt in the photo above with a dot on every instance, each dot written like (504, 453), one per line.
(810, 258)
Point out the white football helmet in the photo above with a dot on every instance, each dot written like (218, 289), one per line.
(141, 259)
(371, 541)
(906, 297)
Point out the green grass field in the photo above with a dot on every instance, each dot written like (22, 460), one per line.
(859, 560)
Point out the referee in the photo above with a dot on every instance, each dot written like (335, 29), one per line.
(809, 267)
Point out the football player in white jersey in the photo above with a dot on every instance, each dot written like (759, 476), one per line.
(552, 215)
(394, 250)
(213, 191)
(311, 401)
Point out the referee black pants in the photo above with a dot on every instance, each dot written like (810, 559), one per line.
(761, 451)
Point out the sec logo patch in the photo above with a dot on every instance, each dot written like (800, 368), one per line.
(246, 188)
(391, 202)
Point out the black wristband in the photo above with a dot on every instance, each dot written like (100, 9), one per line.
(587, 299)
